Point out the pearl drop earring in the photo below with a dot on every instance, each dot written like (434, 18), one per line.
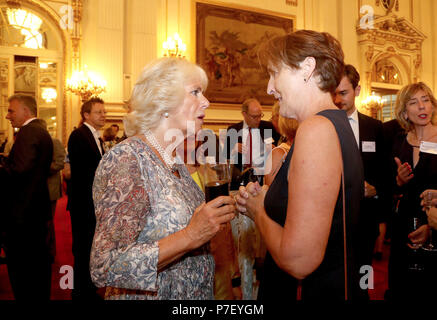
(165, 114)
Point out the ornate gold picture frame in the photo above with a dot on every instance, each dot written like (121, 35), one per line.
(227, 42)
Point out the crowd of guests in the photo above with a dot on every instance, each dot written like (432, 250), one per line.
(319, 191)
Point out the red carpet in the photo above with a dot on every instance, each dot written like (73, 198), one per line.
(65, 257)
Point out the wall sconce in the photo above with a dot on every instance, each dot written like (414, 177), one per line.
(174, 47)
(86, 85)
(373, 103)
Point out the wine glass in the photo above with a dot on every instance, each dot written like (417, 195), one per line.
(414, 254)
(430, 246)
(216, 179)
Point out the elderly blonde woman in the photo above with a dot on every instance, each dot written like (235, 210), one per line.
(416, 162)
(287, 128)
(153, 227)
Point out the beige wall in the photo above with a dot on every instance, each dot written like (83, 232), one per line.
(120, 36)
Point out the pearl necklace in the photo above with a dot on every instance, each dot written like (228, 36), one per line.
(169, 162)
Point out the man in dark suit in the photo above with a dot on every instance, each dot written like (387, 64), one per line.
(25, 173)
(249, 142)
(369, 137)
(85, 149)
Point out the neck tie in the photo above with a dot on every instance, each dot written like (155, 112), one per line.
(102, 149)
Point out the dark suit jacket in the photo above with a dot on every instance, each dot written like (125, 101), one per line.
(25, 172)
(265, 133)
(84, 158)
(373, 163)
(392, 131)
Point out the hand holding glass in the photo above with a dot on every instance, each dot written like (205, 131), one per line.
(427, 201)
(216, 178)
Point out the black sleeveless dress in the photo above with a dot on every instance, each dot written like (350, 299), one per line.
(404, 283)
(327, 282)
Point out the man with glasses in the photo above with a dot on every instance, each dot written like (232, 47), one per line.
(85, 149)
(248, 142)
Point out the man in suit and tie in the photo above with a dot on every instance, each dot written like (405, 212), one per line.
(25, 174)
(85, 149)
(369, 137)
(249, 142)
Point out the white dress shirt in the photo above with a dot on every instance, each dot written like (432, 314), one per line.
(257, 151)
(28, 121)
(96, 135)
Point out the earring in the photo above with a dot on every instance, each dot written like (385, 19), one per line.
(165, 114)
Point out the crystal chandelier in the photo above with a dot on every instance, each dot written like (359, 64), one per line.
(373, 103)
(174, 47)
(86, 84)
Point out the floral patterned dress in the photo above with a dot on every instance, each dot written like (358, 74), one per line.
(138, 201)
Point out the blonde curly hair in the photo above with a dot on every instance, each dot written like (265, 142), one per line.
(159, 90)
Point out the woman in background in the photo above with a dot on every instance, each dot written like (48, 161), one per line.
(416, 172)
(109, 138)
(287, 129)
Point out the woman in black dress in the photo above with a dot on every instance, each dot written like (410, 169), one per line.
(301, 215)
(412, 269)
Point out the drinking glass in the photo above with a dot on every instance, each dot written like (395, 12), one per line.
(415, 263)
(216, 179)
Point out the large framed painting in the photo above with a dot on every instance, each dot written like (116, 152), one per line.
(227, 42)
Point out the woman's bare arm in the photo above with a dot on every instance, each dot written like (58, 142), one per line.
(314, 184)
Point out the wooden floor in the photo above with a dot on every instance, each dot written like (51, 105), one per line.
(64, 257)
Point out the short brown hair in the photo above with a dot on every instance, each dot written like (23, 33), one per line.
(404, 95)
(28, 101)
(293, 48)
(352, 74)
(108, 134)
(88, 105)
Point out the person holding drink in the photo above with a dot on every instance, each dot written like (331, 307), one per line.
(153, 226)
(429, 203)
(309, 215)
(415, 156)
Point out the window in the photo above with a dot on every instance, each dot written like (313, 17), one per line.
(22, 28)
(385, 71)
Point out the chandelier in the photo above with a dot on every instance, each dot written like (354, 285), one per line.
(174, 47)
(86, 84)
(373, 103)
